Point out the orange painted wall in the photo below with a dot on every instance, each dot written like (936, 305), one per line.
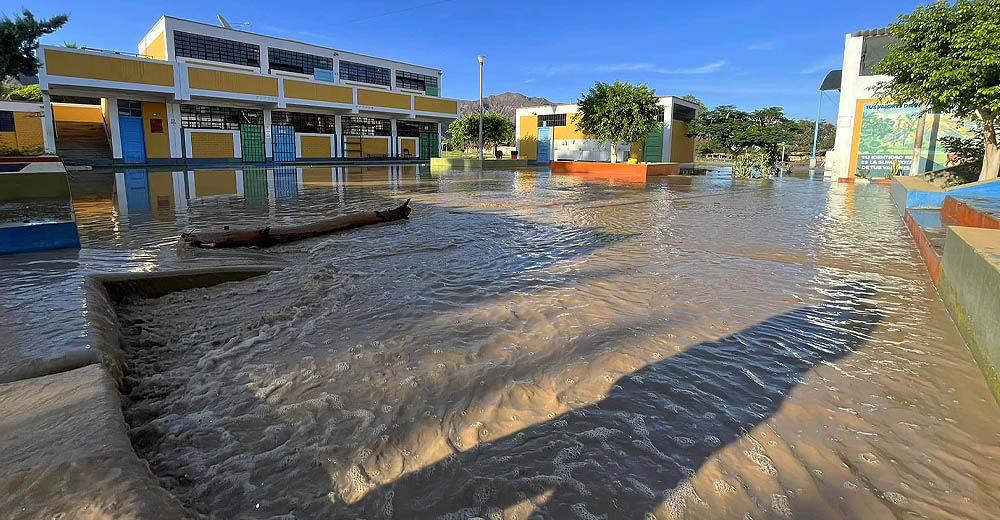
(570, 131)
(77, 113)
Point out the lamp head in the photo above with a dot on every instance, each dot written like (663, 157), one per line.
(482, 59)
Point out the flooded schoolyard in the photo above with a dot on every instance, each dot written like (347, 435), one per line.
(528, 346)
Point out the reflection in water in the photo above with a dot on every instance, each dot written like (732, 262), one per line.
(531, 345)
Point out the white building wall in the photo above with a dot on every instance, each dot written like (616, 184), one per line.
(853, 87)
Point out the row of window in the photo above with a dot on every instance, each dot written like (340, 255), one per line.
(291, 61)
(415, 81)
(222, 118)
(552, 120)
(351, 71)
(354, 125)
(306, 123)
(414, 128)
(210, 48)
(201, 47)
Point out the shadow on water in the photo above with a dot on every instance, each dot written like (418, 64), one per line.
(631, 453)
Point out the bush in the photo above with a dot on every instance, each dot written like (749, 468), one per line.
(21, 93)
(753, 164)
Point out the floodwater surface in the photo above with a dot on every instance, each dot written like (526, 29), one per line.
(530, 345)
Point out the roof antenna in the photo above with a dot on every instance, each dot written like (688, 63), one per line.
(225, 23)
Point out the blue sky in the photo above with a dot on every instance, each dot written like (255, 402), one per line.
(747, 53)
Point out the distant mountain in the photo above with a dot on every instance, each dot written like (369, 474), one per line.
(505, 104)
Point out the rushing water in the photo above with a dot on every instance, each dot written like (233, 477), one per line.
(534, 346)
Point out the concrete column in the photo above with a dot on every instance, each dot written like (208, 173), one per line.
(48, 125)
(268, 153)
(116, 136)
(395, 140)
(174, 131)
(668, 130)
(339, 138)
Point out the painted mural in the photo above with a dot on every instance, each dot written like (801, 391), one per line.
(888, 133)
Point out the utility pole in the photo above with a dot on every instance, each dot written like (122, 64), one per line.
(482, 59)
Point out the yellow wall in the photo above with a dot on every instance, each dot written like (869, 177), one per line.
(27, 134)
(86, 65)
(529, 138)
(432, 104)
(352, 147)
(635, 151)
(317, 175)
(570, 131)
(157, 49)
(208, 79)
(408, 144)
(318, 92)
(77, 113)
(383, 99)
(681, 146)
(374, 146)
(212, 145)
(214, 182)
(314, 146)
(157, 145)
(161, 192)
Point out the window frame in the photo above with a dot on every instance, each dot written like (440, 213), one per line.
(209, 48)
(364, 73)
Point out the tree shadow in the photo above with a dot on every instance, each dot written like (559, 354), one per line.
(631, 453)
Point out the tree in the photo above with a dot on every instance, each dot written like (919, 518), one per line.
(15, 92)
(618, 113)
(497, 130)
(803, 140)
(694, 99)
(947, 59)
(736, 131)
(18, 40)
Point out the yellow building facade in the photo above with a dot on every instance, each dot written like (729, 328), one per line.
(198, 92)
(21, 128)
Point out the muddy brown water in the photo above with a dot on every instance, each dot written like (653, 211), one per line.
(535, 346)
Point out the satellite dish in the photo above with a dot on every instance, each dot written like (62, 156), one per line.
(223, 21)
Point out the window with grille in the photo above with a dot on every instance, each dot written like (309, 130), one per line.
(222, 118)
(6, 121)
(413, 128)
(306, 123)
(659, 116)
(129, 108)
(412, 80)
(350, 71)
(203, 47)
(291, 61)
(552, 120)
(365, 126)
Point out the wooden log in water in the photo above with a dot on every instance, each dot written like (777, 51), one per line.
(270, 236)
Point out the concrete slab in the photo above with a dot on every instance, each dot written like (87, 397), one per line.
(970, 288)
(438, 163)
(65, 453)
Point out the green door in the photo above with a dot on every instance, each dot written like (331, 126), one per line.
(652, 147)
(252, 137)
(428, 145)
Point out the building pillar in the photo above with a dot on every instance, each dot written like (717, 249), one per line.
(338, 138)
(395, 140)
(174, 130)
(48, 125)
(268, 153)
(116, 136)
(668, 131)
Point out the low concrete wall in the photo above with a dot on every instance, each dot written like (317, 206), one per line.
(630, 170)
(65, 452)
(487, 164)
(915, 192)
(964, 215)
(931, 257)
(970, 288)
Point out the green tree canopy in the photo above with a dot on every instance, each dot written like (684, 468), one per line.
(736, 131)
(803, 140)
(948, 58)
(618, 113)
(497, 130)
(16, 92)
(18, 40)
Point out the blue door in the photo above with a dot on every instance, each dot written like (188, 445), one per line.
(283, 142)
(137, 191)
(133, 139)
(544, 144)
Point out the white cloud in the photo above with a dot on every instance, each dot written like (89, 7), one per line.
(828, 63)
(707, 68)
(765, 45)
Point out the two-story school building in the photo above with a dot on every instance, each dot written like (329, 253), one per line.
(201, 93)
(549, 133)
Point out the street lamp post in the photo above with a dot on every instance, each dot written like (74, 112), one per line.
(482, 59)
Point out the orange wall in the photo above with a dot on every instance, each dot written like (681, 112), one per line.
(157, 49)
(570, 131)
(528, 148)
